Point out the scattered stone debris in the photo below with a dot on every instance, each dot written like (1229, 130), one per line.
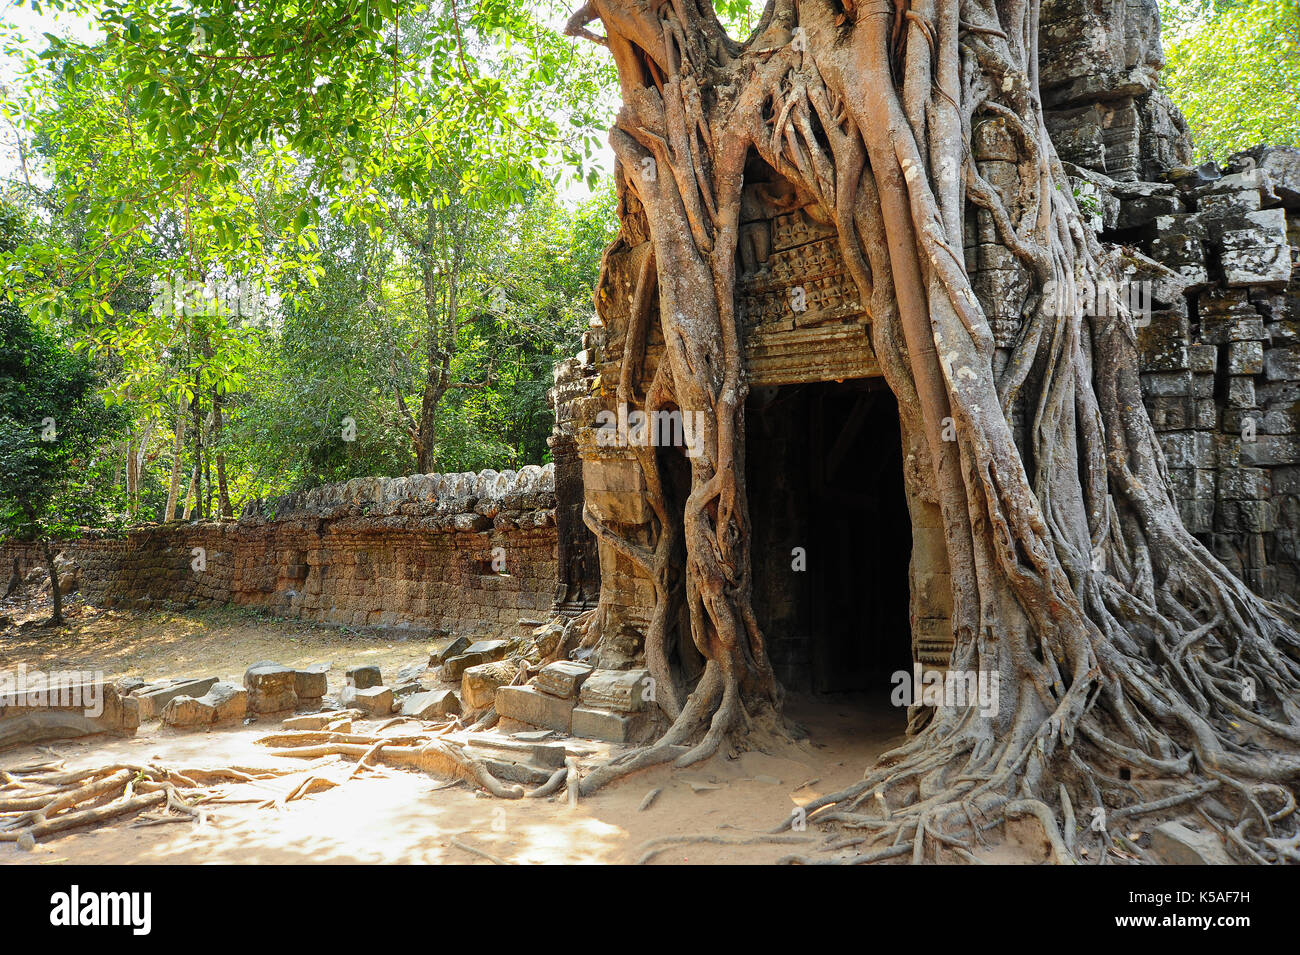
(223, 703)
(431, 704)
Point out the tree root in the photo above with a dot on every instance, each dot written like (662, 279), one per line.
(103, 794)
(654, 847)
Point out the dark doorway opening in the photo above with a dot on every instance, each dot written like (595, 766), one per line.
(832, 536)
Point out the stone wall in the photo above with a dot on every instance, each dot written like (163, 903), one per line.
(413, 552)
(1222, 361)
(1220, 347)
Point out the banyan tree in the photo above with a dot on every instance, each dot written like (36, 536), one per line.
(1125, 651)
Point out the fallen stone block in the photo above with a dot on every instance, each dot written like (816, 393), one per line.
(186, 712)
(372, 700)
(364, 677)
(538, 753)
(563, 678)
(1179, 844)
(35, 714)
(156, 696)
(229, 702)
(607, 725)
(485, 651)
(224, 703)
(624, 691)
(311, 683)
(479, 683)
(546, 638)
(455, 648)
(431, 704)
(271, 687)
(527, 704)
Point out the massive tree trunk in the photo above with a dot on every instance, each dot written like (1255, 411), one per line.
(1121, 643)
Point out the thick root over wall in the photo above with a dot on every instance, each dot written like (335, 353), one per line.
(1137, 675)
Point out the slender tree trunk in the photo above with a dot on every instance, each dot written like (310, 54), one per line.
(178, 447)
(196, 427)
(223, 489)
(56, 597)
(191, 494)
(440, 346)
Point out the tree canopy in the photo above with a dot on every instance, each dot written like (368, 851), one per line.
(1233, 67)
(306, 242)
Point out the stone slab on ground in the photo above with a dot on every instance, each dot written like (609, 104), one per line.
(156, 696)
(607, 725)
(81, 709)
(528, 704)
(407, 688)
(563, 678)
(431, 704)
(540, 754)
(1179, 844)
(622, 691)
(319, 721)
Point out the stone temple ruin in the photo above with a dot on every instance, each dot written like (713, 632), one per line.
(850, 575)
(1212, 281)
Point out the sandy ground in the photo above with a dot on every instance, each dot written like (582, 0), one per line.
(406, 817)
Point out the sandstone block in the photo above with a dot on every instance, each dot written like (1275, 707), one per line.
(529, 705)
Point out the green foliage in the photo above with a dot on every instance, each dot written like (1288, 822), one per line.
(1233, 68)
(380, 174)
(53, 424)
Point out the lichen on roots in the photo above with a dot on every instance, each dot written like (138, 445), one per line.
(1122, 645)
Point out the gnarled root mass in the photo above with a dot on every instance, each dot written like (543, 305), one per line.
(40, 800)
(1137, 675)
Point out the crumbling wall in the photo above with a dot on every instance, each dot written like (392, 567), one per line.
(1213, 267)
(468, 553)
